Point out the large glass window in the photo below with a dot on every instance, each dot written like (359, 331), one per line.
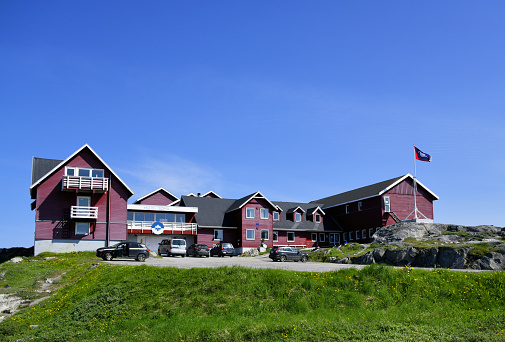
(161, 218)
(97, 173)
(84, 172)
(149, 217)
(170, 217)
(181, 218)
(249, 234)
(249, 212)
(291, 237)
(139, 216)
(264, 234)
(129, 216)
(264, 214)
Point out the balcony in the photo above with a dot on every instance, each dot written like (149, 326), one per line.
(144, 227)
(77, 212)
(85, 183)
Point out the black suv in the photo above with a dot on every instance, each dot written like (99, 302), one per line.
(285, 253)
(222, 249)
(199, 250)
(126, 249)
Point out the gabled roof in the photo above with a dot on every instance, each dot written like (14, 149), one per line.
(244, 200)
(41, 166)
(312, 211)
(295, 209)
(286, 220)
(211, 193)
(377, 189)
(155, 191)
(62, 163)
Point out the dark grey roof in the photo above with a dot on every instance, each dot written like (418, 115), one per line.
(356, 194)
(41, 166)
(211, 211)
(238, 203)
(286, 218)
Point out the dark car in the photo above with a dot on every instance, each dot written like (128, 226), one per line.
(198, 249)
(127, 249)
(222, 249)
(287, 253)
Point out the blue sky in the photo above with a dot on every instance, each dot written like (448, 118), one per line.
(297, 99)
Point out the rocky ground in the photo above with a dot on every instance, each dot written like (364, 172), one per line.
(435, 245)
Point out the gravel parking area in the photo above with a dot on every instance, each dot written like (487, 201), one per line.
(262, 261)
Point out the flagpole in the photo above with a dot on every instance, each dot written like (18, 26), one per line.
(415, 189)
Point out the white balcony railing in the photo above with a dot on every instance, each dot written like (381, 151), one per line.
(77, 212)
(85, 183)
(170, 227)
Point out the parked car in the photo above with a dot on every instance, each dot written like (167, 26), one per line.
(285, 253)
(198, 249)
(172, 247)
(222, 249)
(126, 249)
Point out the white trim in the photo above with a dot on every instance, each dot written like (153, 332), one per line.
(155, 191)
(75, 228)
(315, 218)
(347, 208)
(257, 194)
(247, 213)
(312, 237)
(211, 192)
(318, 207)
(150, 207)
(388, 204)
(254, 234)
(296, 216)
(363, 234)
(174, 203)
(214, 237)
(287, 237)
(57, 167)
(278, 216)
(275, 236)
(294, 210)
(323, 239)
(268, 234)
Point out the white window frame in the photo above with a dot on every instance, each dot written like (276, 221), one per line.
(347, 208)
(321, 237)
(337, 238)
(387, 204)
(370, 232)
(288, 239)
(275, 236)
(218, 234)
(363, 233)
(247, 211)
(262, 212)
(265, 231)
(247, 234)
(331, 238)
(345, 237)
(298, 215)
(312, 235)
(350, 236)
(358, 235)
(86, 197)
(317, 218)
(360, 206)
(83, 223)
(76, 171)
(276, 213)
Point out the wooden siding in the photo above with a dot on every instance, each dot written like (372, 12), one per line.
(206, 236)
(52, 220)
(256, 223)
(158, 198)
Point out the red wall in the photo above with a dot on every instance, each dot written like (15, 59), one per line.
(206, 236)
(256, 223)
(158, 198)
(52, 201)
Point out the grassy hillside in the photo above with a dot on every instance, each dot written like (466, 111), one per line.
(141, 303)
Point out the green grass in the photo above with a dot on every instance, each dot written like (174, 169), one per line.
(141, 303)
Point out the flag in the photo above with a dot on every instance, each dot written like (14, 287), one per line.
(420, 155)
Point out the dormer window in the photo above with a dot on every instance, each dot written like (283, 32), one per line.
(298, 217)
(317, 218)
(249, 212)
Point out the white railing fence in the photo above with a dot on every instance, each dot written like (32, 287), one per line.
(83, 212)
(145, 226)
(85, 183)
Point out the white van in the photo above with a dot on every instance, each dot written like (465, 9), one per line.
(172, 247)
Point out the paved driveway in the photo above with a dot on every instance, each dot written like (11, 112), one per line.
(262, 261)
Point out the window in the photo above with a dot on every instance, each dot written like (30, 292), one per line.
(218, 234)
(347, 208)
(82, 228)
(387, 204)
(249, 234)
(97, 173)
(249, 212)
(321, 237)
(83, 201)
(149, 217)
(298, 217)
(351, 236)
(291, 237)
(129, 216)
(360, 206)
(370, 232)
(276, 216)
(313, 237)
(84, 172)
(337, 238)
(317, 218)
(264, 214)
(264, 234)
(363, 234)
(345, 237)
(332, 239)
(275, 236)
(357, 235)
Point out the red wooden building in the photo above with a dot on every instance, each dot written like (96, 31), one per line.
(80, 203)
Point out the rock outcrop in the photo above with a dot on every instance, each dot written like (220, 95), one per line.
(9, 253)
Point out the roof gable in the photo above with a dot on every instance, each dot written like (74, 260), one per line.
(211, 194)
(175, 198)
(64, 162)
(244, 200)
(41, 166)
